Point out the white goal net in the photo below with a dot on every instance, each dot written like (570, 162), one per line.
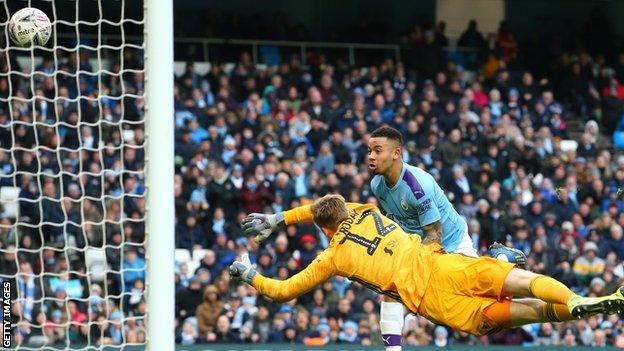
(72, 184)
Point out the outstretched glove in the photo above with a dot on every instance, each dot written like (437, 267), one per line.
(261, 225)
(243, 269)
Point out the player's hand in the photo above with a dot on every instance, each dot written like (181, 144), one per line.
(260, 225)
(243, 269)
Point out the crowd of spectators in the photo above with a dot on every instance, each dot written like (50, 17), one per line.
(73, 245)
(267, 139)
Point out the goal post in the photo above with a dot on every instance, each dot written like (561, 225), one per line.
(160, 174)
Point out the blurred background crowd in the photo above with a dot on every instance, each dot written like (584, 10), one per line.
(530, 159)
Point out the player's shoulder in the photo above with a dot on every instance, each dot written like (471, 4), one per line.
(418, 181)
(416, 171)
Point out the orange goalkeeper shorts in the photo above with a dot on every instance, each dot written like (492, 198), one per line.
(460, 290)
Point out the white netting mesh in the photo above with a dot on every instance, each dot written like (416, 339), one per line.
(71, 176)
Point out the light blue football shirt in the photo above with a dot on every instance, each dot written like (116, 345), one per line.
(415, 201)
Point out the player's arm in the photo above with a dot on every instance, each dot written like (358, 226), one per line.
(317, 272)
(262, 225)
(301, 214)
(425, 209)
(433, 233)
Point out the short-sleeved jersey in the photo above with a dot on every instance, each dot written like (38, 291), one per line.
(415, 201)
(368, 248)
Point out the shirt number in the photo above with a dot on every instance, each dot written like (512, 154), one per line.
(382, 230)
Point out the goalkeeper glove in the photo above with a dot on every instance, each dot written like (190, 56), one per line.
(261, 225)
(243, 269)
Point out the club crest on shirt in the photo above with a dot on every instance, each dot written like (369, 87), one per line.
(404, 205)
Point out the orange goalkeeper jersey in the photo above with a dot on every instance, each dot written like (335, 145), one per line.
(368, 248)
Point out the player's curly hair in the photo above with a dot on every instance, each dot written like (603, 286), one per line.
(329, 211)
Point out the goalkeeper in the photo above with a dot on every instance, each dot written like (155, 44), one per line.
(469, 294)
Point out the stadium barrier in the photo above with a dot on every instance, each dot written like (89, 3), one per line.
(256, 46)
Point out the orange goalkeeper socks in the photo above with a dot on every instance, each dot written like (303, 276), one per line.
(556, 312)
(550, 290)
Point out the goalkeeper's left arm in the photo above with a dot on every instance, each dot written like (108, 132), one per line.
(317, 272)
(262, 225)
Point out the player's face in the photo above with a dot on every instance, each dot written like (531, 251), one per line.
(381, 154)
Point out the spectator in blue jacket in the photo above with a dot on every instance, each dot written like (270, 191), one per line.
(133, 268)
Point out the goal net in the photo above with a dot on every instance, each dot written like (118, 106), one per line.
(72, 180)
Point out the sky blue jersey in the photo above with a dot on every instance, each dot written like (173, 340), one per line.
(415, 201)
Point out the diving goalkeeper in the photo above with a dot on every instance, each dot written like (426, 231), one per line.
(469, 294)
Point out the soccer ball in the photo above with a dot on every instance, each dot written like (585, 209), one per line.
(30, 26)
